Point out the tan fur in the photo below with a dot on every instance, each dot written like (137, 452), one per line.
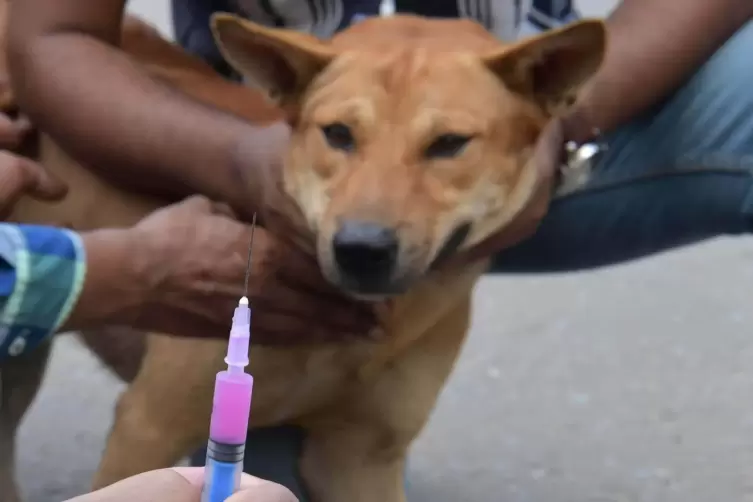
(398, 82)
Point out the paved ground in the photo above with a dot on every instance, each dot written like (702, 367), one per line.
(627, 385)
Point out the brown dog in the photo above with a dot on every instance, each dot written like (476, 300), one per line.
(412, 138)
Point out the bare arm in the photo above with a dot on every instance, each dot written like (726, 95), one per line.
(654, 46)
(75, 84)
(113, 291)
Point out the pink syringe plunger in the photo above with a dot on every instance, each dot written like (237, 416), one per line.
(233, 387)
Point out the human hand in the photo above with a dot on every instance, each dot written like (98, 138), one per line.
(19, 175)
(547, 158)
(183, 484)
(192, 257)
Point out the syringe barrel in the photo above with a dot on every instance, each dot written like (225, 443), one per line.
(231, 407)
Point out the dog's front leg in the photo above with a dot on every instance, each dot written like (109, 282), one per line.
(356, 450)
(345, 464)
(161, 417)
(139, 441)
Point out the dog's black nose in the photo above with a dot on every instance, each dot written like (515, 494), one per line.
(366, 254)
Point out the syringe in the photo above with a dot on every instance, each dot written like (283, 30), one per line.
(231, 407)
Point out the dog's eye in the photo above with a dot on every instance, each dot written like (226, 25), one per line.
(338, 136)
(447, 146)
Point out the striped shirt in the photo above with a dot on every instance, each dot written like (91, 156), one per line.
(42, 273)
(508, 19)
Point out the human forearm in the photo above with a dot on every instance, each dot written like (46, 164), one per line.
(103, 107)
(113, 288)
(654, 46)
(109, 113)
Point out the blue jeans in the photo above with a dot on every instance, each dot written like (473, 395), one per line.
(680, 174)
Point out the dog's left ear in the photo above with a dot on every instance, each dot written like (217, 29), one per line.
(279, 62)
(551, 68)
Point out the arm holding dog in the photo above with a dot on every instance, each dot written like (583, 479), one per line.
(108, 112)
(158, 138)
(176, 271)
(664, 55)
(664, 43)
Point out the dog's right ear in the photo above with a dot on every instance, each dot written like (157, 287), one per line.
(279, 62)
(551, 68)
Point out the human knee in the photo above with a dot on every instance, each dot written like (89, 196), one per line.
(718, 98)
(708, 120)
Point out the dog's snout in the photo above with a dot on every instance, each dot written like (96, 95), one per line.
(365, 253)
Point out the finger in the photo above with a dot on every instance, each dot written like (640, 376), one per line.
(302, 289)
(254, 489)
(314, 298)
(197, 204)
(222, 209)
(45, 186)
(22, 176)
(317, 299)
(12, 132)
(165, 485)
(194, 475)
(251, 489)
(273, 325)
(14, 182)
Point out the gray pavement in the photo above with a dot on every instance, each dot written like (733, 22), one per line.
(631, 384)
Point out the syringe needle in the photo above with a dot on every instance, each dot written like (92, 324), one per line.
(248, 263)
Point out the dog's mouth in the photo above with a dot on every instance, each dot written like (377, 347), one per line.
(366, 261)
(452, 244)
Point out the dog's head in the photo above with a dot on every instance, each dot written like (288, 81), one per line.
(411, 137)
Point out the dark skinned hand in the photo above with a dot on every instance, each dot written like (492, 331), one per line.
(183, 484)
(291, 267)
(193, 256)
(19, 175)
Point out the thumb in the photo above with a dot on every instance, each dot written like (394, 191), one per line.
(222, 209)
(252, 489)
(22, 176)
(165, 485)
(12, 132)
(45, 186)
(260, 490)
(203, 205)
(197, 204)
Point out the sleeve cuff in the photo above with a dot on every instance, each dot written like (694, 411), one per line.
(50, 268)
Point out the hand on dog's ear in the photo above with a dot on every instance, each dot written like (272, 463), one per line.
(281, 63)
(551, 68)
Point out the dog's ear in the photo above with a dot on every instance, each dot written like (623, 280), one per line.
(279, 62)
(551, 68)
